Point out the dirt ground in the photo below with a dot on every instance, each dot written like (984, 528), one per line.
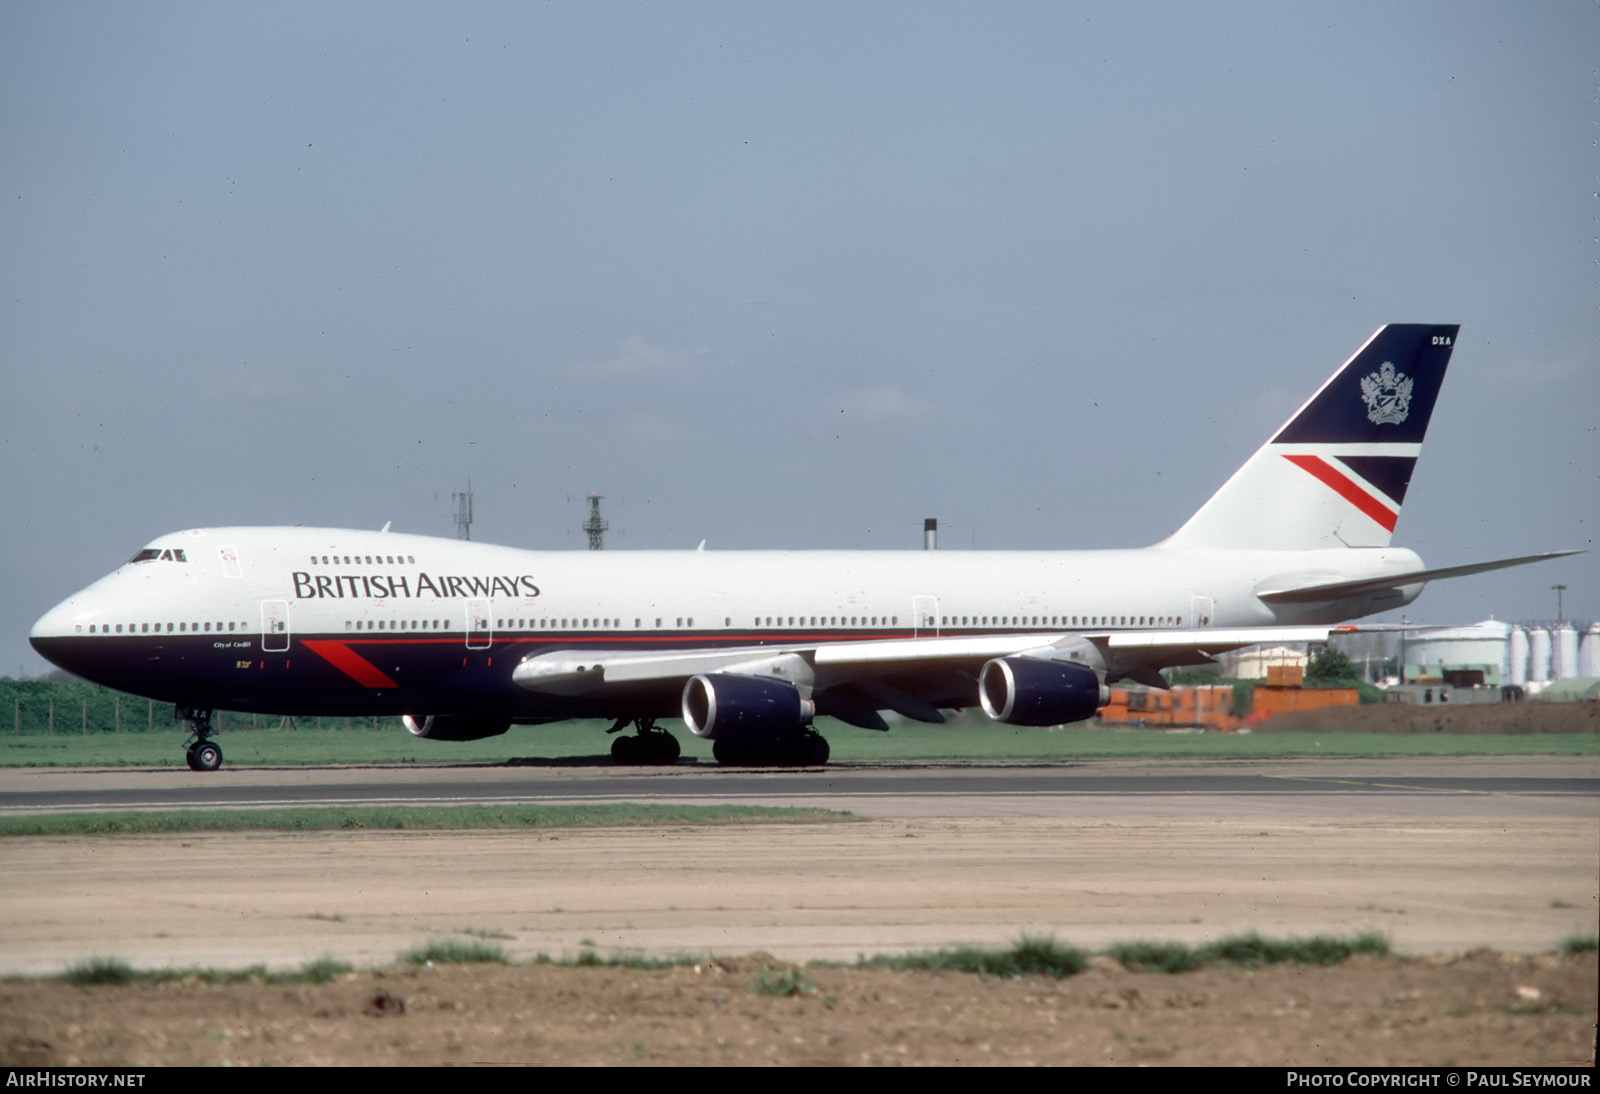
(1480, 1008)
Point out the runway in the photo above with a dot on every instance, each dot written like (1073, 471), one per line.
(879, 789)
(1440, 855)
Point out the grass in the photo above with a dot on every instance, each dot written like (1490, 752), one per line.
(114, 970)
(400, 818)
(101, 970)
(590, 959)
(564, 744)
(453, 951)
(1028, 957)
(1171, 957)
(1580, 943)
(324, 969)
(1246, 951)
(1047, 957)
(783, 983)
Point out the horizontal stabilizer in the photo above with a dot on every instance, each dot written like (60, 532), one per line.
(1340, 590)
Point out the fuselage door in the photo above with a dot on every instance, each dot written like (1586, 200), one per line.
(925, 616)
(274, 626)
(480, 625)
(1201, 609)
(230, 562)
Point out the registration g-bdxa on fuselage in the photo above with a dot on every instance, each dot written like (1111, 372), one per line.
(465, 639)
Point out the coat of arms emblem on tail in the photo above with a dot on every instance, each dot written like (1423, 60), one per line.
(1387, 394)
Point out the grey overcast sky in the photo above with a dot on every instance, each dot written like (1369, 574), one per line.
(781, 275)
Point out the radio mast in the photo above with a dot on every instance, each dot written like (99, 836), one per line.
(463, 504)
(595, 525)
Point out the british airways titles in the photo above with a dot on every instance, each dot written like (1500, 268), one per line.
(308, 586)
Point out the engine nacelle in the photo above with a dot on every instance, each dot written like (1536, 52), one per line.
(455, 727)
(723, 707)
(1023, 692)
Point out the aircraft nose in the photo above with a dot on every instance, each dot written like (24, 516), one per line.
(52, 633)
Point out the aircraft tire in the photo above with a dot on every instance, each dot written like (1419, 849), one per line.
(626, 751)
(205, 756)
(730, 753)
(814, 750)
(664, 749)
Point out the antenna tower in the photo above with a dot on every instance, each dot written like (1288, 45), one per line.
(463, 504)
(596, 526)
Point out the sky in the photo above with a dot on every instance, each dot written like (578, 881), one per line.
(786, 276)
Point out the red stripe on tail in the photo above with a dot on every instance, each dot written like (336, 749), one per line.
(1341, 484)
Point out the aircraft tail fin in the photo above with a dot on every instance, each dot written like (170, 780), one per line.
(1336, 473)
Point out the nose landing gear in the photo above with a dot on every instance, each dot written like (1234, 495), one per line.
(203, 753)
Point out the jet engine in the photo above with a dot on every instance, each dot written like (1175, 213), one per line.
(455, 727)
(725, 707)
(1021, 691)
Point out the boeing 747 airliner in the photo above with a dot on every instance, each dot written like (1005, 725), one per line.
(463, 640)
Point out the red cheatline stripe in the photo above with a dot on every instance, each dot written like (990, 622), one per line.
(1345, 487)
(351, 663)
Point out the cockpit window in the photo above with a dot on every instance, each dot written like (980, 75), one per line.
(150, 554)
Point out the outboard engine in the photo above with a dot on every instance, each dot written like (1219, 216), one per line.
(455, 727)
(1021, 691)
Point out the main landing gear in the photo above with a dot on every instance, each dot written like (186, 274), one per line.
(807, 748)
(650, 747)
(203, 753)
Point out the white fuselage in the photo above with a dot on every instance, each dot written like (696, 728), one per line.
(306, 619)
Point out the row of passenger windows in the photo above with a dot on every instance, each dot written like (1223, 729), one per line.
(828, 621)
(359, 560)
(1060, 621)
(562, 624)
(165, 628)
(679, 622)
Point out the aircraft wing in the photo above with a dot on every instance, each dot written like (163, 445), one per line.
(912, 676)
(1339, 590)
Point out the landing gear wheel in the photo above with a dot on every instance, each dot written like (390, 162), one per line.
(202, 754)
(650, 747)
(813, 750)
(205, 756)
(729, 754)
(808, 749)
(625, 751)
(664, 749)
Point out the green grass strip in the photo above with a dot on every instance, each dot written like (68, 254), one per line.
(453, 951)
(402, 818)
(1027, 957)
(1247, 951)
(114, 970)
